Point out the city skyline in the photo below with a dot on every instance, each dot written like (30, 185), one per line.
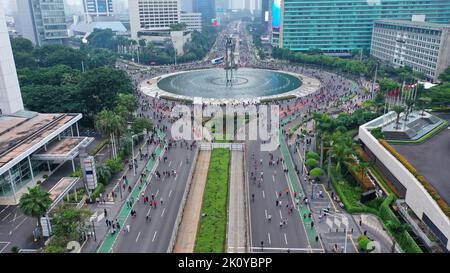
(321, 130)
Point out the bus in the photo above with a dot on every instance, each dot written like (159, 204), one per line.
(217, 60)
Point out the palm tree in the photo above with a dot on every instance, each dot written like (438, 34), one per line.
(129, 102)
(323, 125)
(35, 203)
(363, 167)
(398, 109)
(409, 105)
(423, 102)
(108, 123)
(341, 154)
(103, 172)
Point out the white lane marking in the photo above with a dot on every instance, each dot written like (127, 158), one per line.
(276, 195)
(285, 238)
(100, 217)
(181, 163)
(273, 178)
(292, 249)
(4, 209)
(6, 244)
(281, 216)
(268, 235)
(170, 163)
(265, 211)
(15, 218)
(148, 212)
(137, 238)
(264, 196)
(162, 214)
(157, 193)
(170, 192)
(7, 216)
(18, 225)
(154, 236)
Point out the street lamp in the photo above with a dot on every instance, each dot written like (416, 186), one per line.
(93, 229)
(132, 148)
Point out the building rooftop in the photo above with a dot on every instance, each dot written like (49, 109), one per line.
(432, 160)
(83, 27)
(415, 24)
(19, 133)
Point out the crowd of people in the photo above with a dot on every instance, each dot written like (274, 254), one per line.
(333, 88)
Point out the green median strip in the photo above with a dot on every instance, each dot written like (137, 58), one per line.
(125, 211)
(211, 235)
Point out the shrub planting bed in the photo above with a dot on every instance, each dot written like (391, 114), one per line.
(211, 235)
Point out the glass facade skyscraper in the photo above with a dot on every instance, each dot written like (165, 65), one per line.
(206, 7)
(343, 25)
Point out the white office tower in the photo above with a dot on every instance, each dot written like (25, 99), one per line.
(42, 21)
(187, 6)
(10, 97)
(98, 7)
(153, 15)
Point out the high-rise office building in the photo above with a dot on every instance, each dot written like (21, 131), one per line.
(206, 7)
(425, 47)
(42, 21)
(342, 25)
(96, 8)
(153, 15)
(187, 5)
(265, 11)
(10, 97)
(192, 20)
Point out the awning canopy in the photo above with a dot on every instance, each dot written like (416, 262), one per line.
(65, 149)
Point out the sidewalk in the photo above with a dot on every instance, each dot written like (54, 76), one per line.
(125, 211)
(236, 230)
(296, 187)
(113, 206)
(376, 231)
(187, 233)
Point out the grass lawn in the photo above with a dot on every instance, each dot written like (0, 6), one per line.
(211, 234)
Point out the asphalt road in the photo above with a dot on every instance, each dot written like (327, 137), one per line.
(154, 235)
(291, 236)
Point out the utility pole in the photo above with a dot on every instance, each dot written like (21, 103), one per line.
(175, 56)
(374, 80)
(138, 54)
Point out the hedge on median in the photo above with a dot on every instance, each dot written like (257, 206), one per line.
(211, 235)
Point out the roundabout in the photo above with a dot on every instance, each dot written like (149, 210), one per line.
(248, 85)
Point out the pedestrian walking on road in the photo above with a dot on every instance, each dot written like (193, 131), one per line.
(161, 200)
(105, 212)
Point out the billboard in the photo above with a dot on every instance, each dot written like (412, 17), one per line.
(276, 13)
